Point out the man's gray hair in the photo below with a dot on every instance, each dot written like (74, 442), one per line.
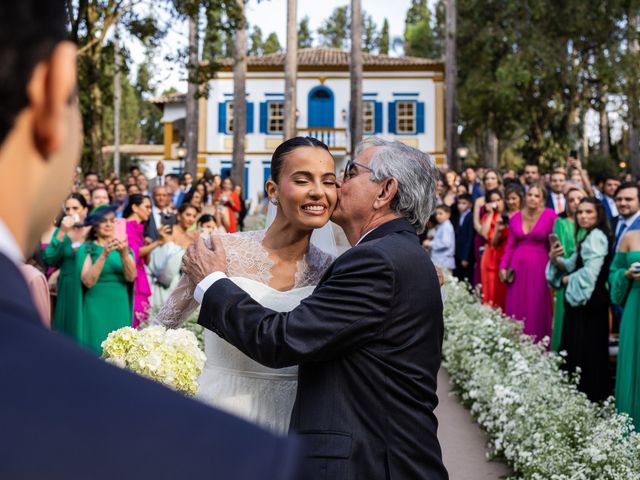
(416, 175)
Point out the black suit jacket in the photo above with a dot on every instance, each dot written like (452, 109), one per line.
(368, 341)
(66, 414)
(464, 239)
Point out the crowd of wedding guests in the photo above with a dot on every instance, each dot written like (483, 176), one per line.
(113, 255)
(558, 251)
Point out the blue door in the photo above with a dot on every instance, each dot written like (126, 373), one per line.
(321, 108)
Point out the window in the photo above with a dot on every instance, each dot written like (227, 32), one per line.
(368, 116)
(229, 117)
(406, 117)
(275, 117)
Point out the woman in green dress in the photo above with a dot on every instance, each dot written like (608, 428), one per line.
(565, 229)
(624, 281)
(61, 253)
(108, 273)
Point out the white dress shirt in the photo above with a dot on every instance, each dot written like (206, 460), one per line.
(8, 245)
(627, 222)
(612, 205)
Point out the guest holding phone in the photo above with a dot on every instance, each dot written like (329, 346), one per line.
(137, 213)
(108, 271)
(624, 280)
(584, 274)
(523, 264)
(566, 234)
(61, 252)
(495, 229)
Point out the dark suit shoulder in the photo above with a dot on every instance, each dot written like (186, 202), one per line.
(79, 417)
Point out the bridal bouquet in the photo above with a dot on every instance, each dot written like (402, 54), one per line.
(171, 357)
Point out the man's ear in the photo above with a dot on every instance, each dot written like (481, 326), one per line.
(388, 191)
(50, 91)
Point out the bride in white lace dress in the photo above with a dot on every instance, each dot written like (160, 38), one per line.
(278, 267)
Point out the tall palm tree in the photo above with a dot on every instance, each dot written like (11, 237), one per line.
(290, 71)
(191, 121)
(355, 106)
(239, 97)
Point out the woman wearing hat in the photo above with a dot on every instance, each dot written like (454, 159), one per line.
(108, 273)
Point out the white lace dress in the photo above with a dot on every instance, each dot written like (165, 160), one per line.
(231, 380)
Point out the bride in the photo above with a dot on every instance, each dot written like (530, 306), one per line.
(278, 267)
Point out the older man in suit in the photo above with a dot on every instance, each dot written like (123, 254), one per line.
(368, 340)
(65, 413)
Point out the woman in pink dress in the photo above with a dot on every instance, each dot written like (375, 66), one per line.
(137, 213)
(523, 265)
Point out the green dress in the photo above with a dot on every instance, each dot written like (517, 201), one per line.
(565, 229)
(628, 370)
(108, 305)
(67, 315)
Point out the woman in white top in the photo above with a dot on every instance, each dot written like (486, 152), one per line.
(278, 267)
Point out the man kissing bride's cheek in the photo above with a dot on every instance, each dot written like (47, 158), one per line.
(297, 340)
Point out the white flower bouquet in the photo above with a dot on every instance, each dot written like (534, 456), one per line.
(171, 357)
(534, 415)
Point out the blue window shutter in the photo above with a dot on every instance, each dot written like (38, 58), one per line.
(249, 117)
(222, 117)
(263, 117)
(420, 117)
(392, 117)
(377, 128)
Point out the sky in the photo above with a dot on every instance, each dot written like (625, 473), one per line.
(270, 16)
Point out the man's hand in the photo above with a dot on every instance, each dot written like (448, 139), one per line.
(199, 261)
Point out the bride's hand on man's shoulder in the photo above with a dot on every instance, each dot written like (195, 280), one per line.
(199, 260)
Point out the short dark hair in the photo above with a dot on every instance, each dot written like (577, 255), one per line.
(495, 191)
(29, 32)
(466, 197)
(277, 160)
(625, 185)
(134, 167)
(207, 217)
(444, 208)
(174, 176)
(573, 154)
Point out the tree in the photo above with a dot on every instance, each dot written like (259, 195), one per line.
(355, 70)
(334, 31)
(239, 97)
(290, 71)
(256, 42)
(383, 39)
(451, 78)
(421, 37)
(90, 24)
(214, 38)
(271, 44)
(369, 34)
(305, 38)
(191, 121)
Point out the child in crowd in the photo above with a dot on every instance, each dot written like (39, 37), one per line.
(464, 239)
(443, 244)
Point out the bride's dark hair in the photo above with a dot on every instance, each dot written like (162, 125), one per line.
(277, 160)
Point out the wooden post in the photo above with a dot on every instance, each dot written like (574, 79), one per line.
(239, 100)
(355, 106)
(290, 72)
(450, 78)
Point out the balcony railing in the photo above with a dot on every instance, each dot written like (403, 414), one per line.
(334, 138)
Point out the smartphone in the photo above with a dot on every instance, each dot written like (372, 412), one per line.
(553, 239)
(635, 267)
(120, 229)
(168, 220)
(494, 205)
(505, 218)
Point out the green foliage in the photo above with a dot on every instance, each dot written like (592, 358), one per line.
(334, 31)
(271, 44)
(383, 40)
(305, 38)
(422, 36)
(255, 41)
(369, 34)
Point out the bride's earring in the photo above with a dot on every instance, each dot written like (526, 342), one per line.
(274, 201)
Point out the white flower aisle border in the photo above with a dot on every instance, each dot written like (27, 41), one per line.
(171, 357)
(535, 417)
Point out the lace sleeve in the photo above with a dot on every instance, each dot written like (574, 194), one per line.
(179, 306)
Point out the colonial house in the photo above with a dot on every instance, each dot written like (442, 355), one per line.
(403, 99)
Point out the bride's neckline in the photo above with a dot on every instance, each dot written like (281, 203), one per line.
(269, 287)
